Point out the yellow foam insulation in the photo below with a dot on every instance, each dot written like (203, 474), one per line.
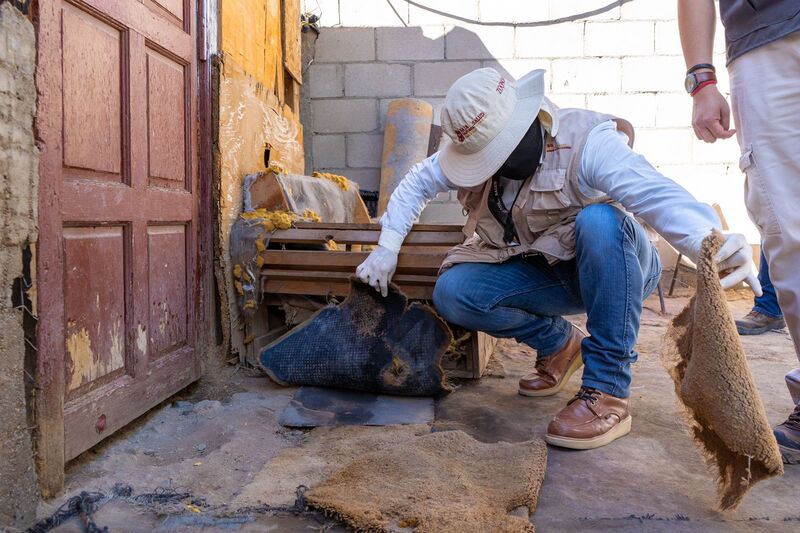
(276, 167)
(312, 215)
(341, 181)
(271, 220)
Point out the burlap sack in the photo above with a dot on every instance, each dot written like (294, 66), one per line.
(437, 483)
(713, 382)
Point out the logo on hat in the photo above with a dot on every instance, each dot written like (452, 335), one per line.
(465, 131)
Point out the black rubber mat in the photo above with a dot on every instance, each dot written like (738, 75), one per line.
(367, 343)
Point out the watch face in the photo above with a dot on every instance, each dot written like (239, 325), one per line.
(690, 83)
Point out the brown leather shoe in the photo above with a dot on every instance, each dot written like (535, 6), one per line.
(591, 419)
(552, 372)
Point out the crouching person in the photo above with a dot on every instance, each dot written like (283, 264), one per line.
(546, 192)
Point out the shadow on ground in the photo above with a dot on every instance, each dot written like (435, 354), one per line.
(235, 461)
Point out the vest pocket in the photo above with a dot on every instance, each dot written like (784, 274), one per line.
(546, 191)
(546, 200)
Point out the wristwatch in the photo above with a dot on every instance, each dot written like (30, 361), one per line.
(696, 80)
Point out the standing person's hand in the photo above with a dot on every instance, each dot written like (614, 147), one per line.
(711, 115)
(377, 270)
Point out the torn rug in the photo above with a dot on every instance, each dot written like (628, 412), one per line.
(713, 381)
(437, 483)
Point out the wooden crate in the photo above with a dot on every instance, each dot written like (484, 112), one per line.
(473, 364)
(315, 271)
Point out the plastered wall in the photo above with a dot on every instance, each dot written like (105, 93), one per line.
(18, 200)
(625, 60)
(256, 115)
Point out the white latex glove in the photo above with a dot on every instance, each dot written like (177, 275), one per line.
(377, 270)
(737, 255)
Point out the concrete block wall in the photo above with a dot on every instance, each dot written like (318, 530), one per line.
(626, 60)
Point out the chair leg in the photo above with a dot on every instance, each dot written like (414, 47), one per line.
(661, 298)
(675, 274)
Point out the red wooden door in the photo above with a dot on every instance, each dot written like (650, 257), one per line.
(117, 257)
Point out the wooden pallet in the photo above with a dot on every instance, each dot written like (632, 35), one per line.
(315, 271)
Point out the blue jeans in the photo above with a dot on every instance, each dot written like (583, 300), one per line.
(768, 303)
(615, 269)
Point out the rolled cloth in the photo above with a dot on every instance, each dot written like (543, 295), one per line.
(405, 143)
(713, 382)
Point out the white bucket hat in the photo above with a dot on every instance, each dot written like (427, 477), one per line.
(485, 116)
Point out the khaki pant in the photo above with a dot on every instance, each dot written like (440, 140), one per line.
(765, 93)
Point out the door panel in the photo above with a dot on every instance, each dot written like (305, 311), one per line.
(166, 102)
(167, 278)
(94, 297)
(118, 254)
(173, 6)
(91, 97)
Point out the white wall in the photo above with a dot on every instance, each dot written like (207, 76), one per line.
(625, 61)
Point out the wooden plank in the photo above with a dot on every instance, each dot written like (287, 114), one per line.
(409, 263)
(324, 276)
(50, 369)
(291, 37)
(334, 288)
(484, 347)
(349, 236)
(447, 228)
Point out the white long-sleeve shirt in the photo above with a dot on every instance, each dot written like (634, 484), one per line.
(608, 167)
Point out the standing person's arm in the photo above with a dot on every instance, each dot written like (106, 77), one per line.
(711, 115)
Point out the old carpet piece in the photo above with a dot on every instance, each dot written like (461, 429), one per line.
(705, 358)
(367, 343)
(317, 406)
(439, 482)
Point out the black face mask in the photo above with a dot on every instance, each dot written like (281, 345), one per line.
(524, 160)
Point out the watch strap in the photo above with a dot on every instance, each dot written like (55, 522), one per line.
(702, 77)
(700, 66)
(703, 84)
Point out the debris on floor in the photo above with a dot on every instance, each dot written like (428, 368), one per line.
(705, 357)
(367, 343)
(655, 477)
(315, 407)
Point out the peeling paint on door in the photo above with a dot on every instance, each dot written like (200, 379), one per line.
(141, 339)
(80, 364)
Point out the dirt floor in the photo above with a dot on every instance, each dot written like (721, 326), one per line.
(234, 460)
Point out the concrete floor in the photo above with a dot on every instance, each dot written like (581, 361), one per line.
(652, 480)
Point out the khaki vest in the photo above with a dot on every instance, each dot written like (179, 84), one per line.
(545, 210)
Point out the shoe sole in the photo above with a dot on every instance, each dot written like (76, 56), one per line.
(576, 364)
(790, 456)
(758, 331)
(620, 430)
